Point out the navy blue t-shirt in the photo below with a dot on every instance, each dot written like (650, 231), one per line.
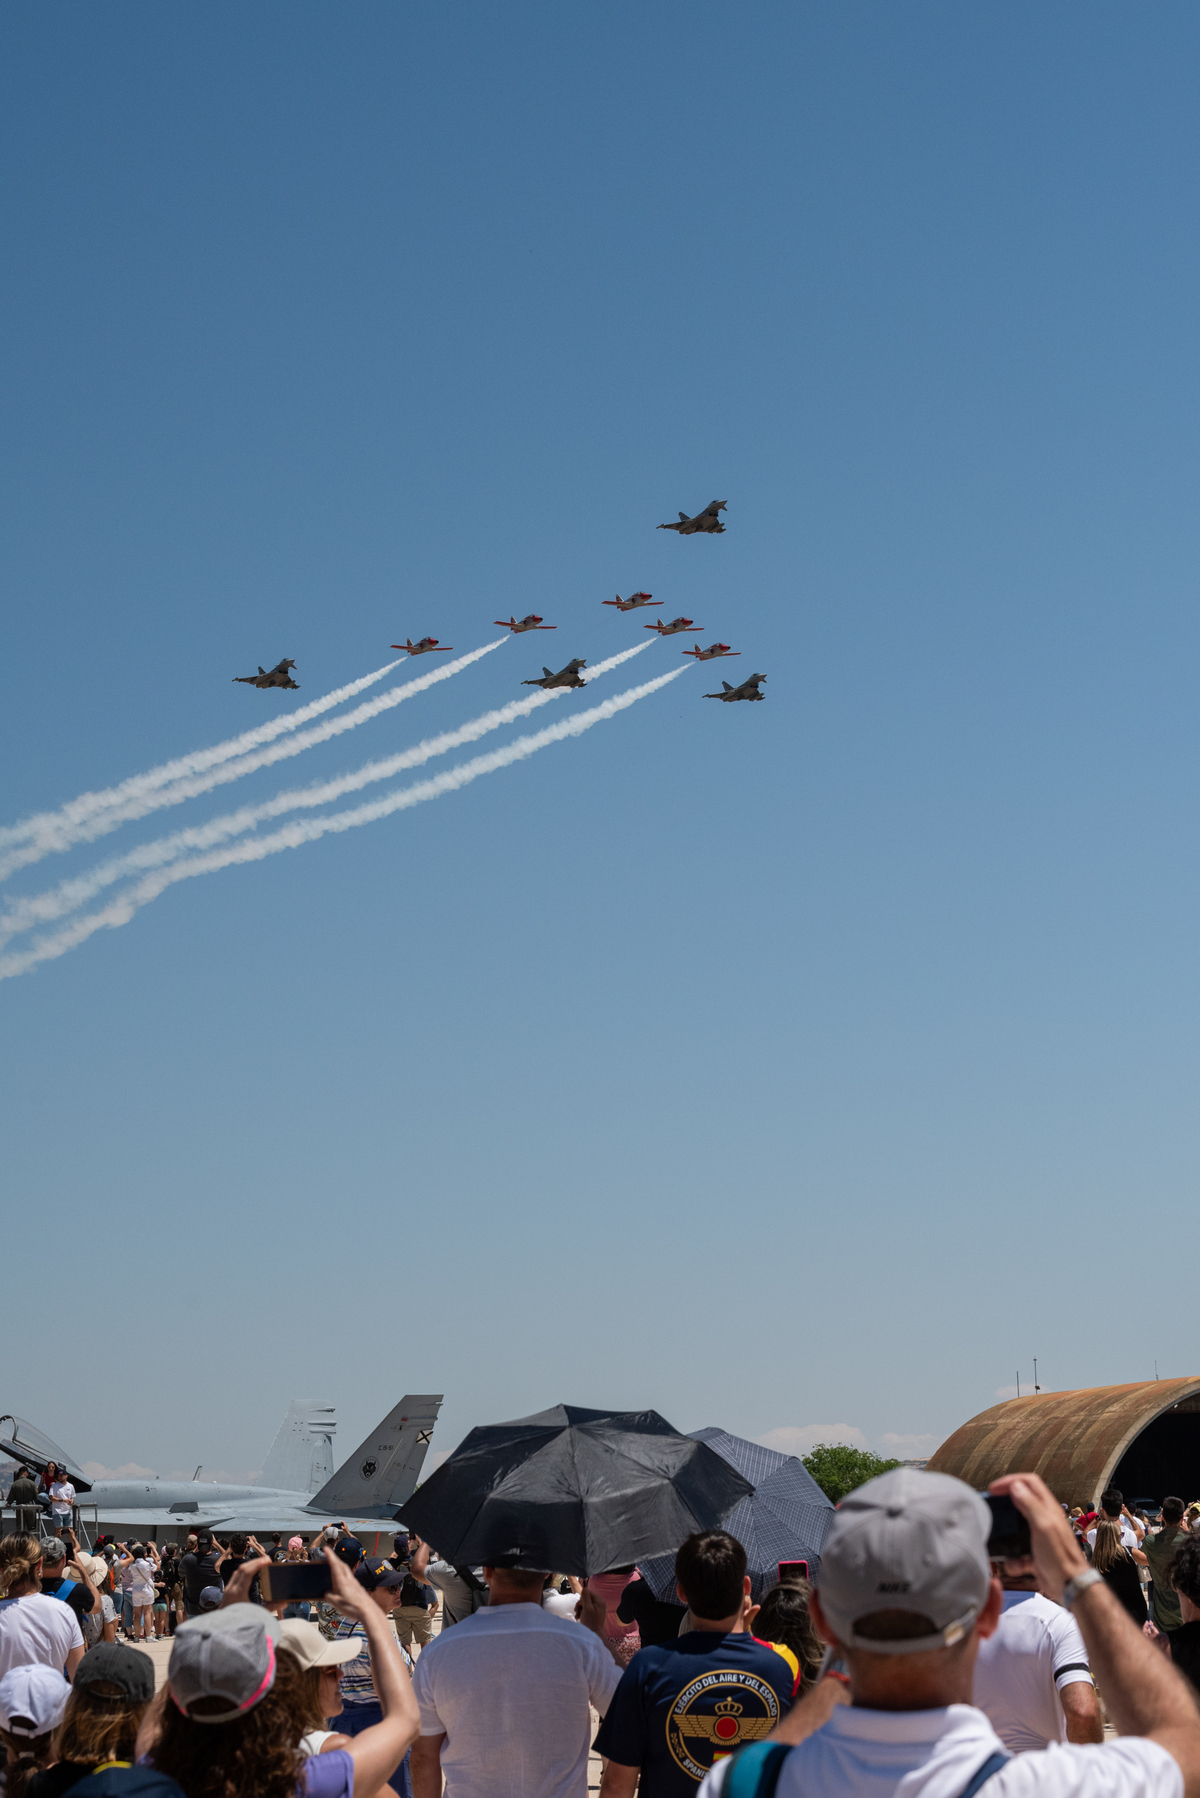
(685, 1704)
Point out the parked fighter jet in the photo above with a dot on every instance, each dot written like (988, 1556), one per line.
(366, 1490)
(423, 647)
(531, 623)
(670, 630)
(714, 649)
(632, 603)
(703, 521)
(747, 690)
(271, 677)
(566, 677)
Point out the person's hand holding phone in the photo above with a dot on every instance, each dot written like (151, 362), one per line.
(238, 1589)
(1055, 1551)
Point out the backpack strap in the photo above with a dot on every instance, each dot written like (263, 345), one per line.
(981, 1775)
(65, 1590)
(755, 1770)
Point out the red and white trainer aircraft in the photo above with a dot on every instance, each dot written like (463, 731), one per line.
(714, 649)
(423, 647)
(532, 623)
(632, 603)
(676, 625)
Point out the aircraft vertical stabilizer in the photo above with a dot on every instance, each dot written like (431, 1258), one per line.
(383, 1471)
(301, 1456)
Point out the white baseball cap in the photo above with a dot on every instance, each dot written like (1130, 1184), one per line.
(32, 1700)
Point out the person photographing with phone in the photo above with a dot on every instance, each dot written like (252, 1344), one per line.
(1033, 1680)
(905, 1595)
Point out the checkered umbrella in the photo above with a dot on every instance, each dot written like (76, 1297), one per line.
(785, 1518)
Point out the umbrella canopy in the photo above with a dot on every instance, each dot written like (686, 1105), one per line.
(785, 1518)
(574, 1491)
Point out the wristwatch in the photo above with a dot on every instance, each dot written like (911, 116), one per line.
(1080, 1583)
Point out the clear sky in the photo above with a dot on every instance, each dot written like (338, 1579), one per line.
(809, 1063)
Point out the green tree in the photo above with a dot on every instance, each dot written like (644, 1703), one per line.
(838, 1469)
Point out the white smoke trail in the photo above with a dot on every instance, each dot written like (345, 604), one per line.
(87, 804)
(57, 837)
(301, 831)
(69, 895)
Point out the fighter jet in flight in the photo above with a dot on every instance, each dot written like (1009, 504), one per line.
(747, 690)
(703, 521)
(566, 677)
(271, 677)
(713, 650)
(531, 623)
(670, 630)
(632, 603)
(423, 647)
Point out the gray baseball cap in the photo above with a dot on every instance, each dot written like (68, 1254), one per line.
(229, 1654)
(907, 1541)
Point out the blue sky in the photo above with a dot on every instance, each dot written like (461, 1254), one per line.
(776, 1066)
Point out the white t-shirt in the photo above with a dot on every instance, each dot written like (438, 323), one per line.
(509, 1688)
(62, 1497)
(142, 1584)
(934, 1754)
(37, 1629)
(560, 1604)
(1036, 1651)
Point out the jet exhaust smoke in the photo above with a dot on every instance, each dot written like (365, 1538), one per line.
(87, 804)
(69, 895)
(301, 831)
(57, 836)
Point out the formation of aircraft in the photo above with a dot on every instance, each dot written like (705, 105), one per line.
(703, 521)
(632, 603)
(747, 690)
(279, 676)
(566, 677)
(670, 630)
(707, 522)
(365, 1492)
(423, 647)
(713, 650)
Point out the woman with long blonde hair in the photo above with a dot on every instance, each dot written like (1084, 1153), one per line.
(1119, 1566)
(103, 1715)
(36, 1629)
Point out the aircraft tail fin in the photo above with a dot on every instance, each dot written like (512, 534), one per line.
(383, 1471)
(546, 671)
(727, 686)
(261, 669)
(301, 1456)
(684, 517)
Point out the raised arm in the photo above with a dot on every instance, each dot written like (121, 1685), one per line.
(377, 1751)
(1144, 1694)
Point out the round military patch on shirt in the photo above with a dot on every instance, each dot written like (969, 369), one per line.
(716, 1714)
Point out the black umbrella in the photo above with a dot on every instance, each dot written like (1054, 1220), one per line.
(785, 1518)
(572, 1490)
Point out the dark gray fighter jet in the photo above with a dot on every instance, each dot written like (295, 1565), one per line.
(566, 677)
(271, 677)
(703, 521)
(747, 690)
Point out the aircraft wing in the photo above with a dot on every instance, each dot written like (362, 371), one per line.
(173, 1526)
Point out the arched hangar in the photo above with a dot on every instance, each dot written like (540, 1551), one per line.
(1143, 1438)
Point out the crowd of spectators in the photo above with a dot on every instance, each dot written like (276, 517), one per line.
(912, 1660)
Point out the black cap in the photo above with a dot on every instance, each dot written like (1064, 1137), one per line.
(350, 1550)
(371, 1574)
(114, 1664)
